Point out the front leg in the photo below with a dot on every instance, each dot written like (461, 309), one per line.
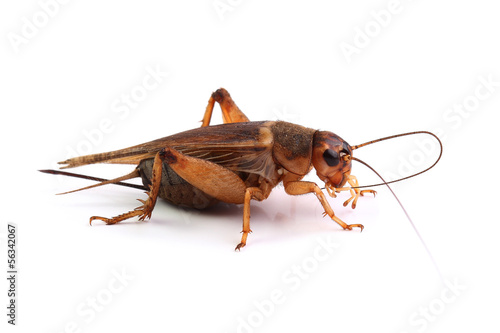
(355, 192)
(303, 187)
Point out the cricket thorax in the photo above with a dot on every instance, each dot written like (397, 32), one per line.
(293, 146)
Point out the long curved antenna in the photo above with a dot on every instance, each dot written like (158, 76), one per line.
(396, 136)
(407, 216)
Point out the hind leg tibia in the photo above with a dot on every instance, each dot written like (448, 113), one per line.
(230, 112)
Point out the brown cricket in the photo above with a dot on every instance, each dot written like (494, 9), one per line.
(234, 162)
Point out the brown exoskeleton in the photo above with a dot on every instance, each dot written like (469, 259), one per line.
(235, 162)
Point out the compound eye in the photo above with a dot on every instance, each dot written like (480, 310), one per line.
(331, 157)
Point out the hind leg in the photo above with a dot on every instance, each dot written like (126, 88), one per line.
(146, 209)
(211, 178)
(230, 112)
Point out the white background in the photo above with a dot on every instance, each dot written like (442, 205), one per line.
(284, 60)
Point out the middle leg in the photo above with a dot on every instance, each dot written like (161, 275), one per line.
(251, 193)
(218, 182)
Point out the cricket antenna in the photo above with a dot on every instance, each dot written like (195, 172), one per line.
(406, 213)
(393, 137)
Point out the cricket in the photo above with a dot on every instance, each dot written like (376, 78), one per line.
(236, 162)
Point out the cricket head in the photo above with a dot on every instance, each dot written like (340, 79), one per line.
(332, 159)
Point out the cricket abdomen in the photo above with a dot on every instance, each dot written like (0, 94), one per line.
(175, 189)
